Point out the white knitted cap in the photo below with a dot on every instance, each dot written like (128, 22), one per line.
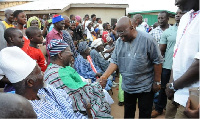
(16, 64)
(96, 43)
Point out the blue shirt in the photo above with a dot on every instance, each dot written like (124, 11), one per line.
(84, 68)
(54, 104)
(135, 61)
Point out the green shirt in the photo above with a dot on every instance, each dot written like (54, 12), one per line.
(169, 38)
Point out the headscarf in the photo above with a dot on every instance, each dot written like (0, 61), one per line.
(31, 19)
(108, 38)
(78, 18)
(56, 46)
(96, 43)
(82, 46)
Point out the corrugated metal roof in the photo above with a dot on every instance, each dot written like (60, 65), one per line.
(60, 4)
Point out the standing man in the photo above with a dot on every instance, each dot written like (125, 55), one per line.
(163, 18)
(140, 63)
(185, 73)
(8, 18)
(56, 32)
(166, 45)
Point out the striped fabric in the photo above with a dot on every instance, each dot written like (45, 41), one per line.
(54, 104)
(56, 46)
(91, 92)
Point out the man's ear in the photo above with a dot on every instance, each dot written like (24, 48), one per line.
(60, 55)
(31, 38)
(30, 82)
(10, 39)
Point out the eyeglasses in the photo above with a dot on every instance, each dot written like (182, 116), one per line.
(122, 32)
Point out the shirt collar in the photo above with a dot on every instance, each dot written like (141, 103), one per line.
(56, 32)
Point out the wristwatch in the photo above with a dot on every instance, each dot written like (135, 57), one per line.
(171, 86)
(157, 83)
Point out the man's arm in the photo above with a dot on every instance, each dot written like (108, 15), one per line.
(190, 77)
(162, 48)
(157, 76)
(111, 68)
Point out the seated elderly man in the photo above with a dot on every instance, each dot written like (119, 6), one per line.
(15, 106)
(27, 79)
(62, 76)
(99, 61)
(84, 68)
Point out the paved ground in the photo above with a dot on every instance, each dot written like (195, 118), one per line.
(118, 111)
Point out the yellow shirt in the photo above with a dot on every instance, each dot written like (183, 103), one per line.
(7, 25)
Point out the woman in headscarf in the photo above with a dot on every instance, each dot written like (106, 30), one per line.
(35, 21)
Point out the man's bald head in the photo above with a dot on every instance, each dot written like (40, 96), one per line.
(15, 106)
(125, 29)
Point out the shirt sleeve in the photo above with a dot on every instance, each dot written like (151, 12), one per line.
(42, 61)
(163, 39)
(154, 53)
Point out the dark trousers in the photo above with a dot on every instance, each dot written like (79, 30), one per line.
(145, 103)
(162, 98)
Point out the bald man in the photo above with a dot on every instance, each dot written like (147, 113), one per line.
(140, 63)
(15, 106)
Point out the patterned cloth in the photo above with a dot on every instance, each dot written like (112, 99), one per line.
(91, 92)
(99, 60)
(54, 104)
(157, 33)
(82, 46)
(68, 39)
(84, 68)
(53, 34)
(56, 46)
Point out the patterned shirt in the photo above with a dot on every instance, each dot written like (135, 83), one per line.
(68, 39)
(54, 104)
(99, 60)
(84, 68)
(157, 33)
(52, 35)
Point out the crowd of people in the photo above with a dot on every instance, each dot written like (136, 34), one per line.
(64, 66)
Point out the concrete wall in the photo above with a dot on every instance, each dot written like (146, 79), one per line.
(104, 13)
(9, 4)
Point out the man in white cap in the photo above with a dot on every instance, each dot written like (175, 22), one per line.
(99, 61)
(26, 77)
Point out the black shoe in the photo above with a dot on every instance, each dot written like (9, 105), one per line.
(121, 103)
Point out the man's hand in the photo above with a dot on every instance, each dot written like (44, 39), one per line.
(156, 88)
(191, 113)
(169, 92)
(98, 74)
(103, 81)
